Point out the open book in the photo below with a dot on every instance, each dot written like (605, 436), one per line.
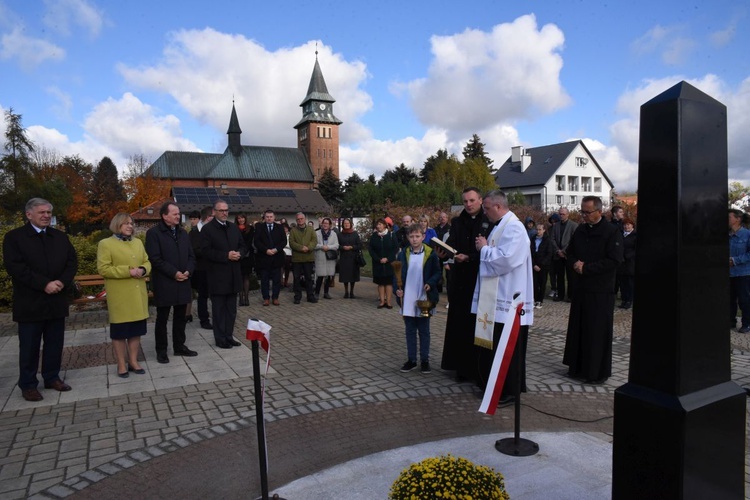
(444, 246)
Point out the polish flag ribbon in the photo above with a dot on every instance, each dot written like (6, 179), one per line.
(503, 355)
(260, 331)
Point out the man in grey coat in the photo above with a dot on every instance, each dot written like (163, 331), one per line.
(560, 235)
(172, 262)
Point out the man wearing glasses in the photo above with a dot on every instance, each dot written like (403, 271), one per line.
(302, 240)
(222, 246)
(595, 251)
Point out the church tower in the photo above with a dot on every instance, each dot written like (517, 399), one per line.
(318, 130)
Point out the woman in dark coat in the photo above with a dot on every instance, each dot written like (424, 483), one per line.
(247, 263)
(383, 247)
(626, 270)
(349, 247)
(541, 258)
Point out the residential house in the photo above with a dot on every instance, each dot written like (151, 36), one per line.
(554, 176)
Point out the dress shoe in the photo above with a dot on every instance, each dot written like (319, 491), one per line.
(161, 357)
(346, 295)
(123, 375)
(388, 306)
(207, 325)
(504, 400)
(276, 302)
(32, 394)
(57, 385)
(189, 318)
(598, 381)
(297, 301)
(312, 299)
(223, 345)
(139, 371)
(266, 302)
(184, 351)
(351, 295)
(233, 342)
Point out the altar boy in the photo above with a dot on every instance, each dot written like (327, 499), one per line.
(420, 273)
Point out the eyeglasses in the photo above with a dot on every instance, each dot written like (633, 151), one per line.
(221, 209)
(588, 212)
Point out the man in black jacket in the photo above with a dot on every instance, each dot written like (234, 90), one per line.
(172, 262)
(222, 245)
(269, 241)
(199, 281)
(42, 263)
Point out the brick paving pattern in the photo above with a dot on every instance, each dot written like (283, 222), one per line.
(335, 393)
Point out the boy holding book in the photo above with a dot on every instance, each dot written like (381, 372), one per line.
(420, 273)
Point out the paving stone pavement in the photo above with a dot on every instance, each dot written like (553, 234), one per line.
(334, 393)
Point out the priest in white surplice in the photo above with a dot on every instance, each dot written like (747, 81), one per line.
(505, 268)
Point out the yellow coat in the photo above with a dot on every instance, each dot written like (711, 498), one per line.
(127, 297)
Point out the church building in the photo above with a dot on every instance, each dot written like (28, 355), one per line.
(252, 179)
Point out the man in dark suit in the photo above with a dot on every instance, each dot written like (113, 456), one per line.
(561, 234)
(269, 241)
(42, 263)
(222, 245)
(172, 263)
(199, 281)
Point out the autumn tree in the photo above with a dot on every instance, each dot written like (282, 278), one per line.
(458, 175)
(474, 150)
(142, 188)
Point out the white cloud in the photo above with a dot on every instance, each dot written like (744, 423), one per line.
(62, 14)
(30, 52)
(65, 102)
(267, 86)
(667, 41)
(623, 151)
(132, 127)
(479, 79)
(721, 38)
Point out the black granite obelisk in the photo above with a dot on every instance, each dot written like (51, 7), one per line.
(679, 428)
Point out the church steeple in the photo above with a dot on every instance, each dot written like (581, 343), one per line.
(234, 132)
(318, 130)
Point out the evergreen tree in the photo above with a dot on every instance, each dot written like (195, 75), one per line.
(352, 182)
(330, 189)
(15, 178)
(400, 175)
(474, 150)
(430, 163)
(107, 196)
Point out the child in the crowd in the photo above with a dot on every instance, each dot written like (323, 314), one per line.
(420, 272)
(541, 257)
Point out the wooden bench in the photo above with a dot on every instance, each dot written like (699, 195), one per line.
(89, 280)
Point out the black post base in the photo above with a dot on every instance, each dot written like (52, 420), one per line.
(274, 497)
(517, 447)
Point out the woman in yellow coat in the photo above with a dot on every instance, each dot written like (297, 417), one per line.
(123, 262)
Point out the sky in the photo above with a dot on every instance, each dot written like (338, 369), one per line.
(100, 78)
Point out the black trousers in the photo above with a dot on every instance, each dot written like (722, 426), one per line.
(562, 276)
(178, 327)
(303, 270)
(274, 276)
(224, 310)
(200, 285)
(30, 335)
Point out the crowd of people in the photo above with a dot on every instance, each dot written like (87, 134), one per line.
(484, 258)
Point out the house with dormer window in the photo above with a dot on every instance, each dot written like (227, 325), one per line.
(554, 176)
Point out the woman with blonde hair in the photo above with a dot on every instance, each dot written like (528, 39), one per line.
(123, 262)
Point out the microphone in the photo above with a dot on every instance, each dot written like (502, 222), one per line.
(484, 231)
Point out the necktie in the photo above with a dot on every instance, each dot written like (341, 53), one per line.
(270, 228)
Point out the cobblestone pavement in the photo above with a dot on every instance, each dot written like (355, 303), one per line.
(335, 393)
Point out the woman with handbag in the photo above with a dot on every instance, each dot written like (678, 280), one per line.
(326, 254)
(350, 246)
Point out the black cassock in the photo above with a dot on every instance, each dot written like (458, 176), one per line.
(459, 352)
(588, 345)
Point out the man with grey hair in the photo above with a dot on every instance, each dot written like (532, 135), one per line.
(560, 236)
(505, 269)
(42, 263)
(302, 241)
(594, 253)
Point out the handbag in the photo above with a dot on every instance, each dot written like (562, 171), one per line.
(361, 262)
(332, 254)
